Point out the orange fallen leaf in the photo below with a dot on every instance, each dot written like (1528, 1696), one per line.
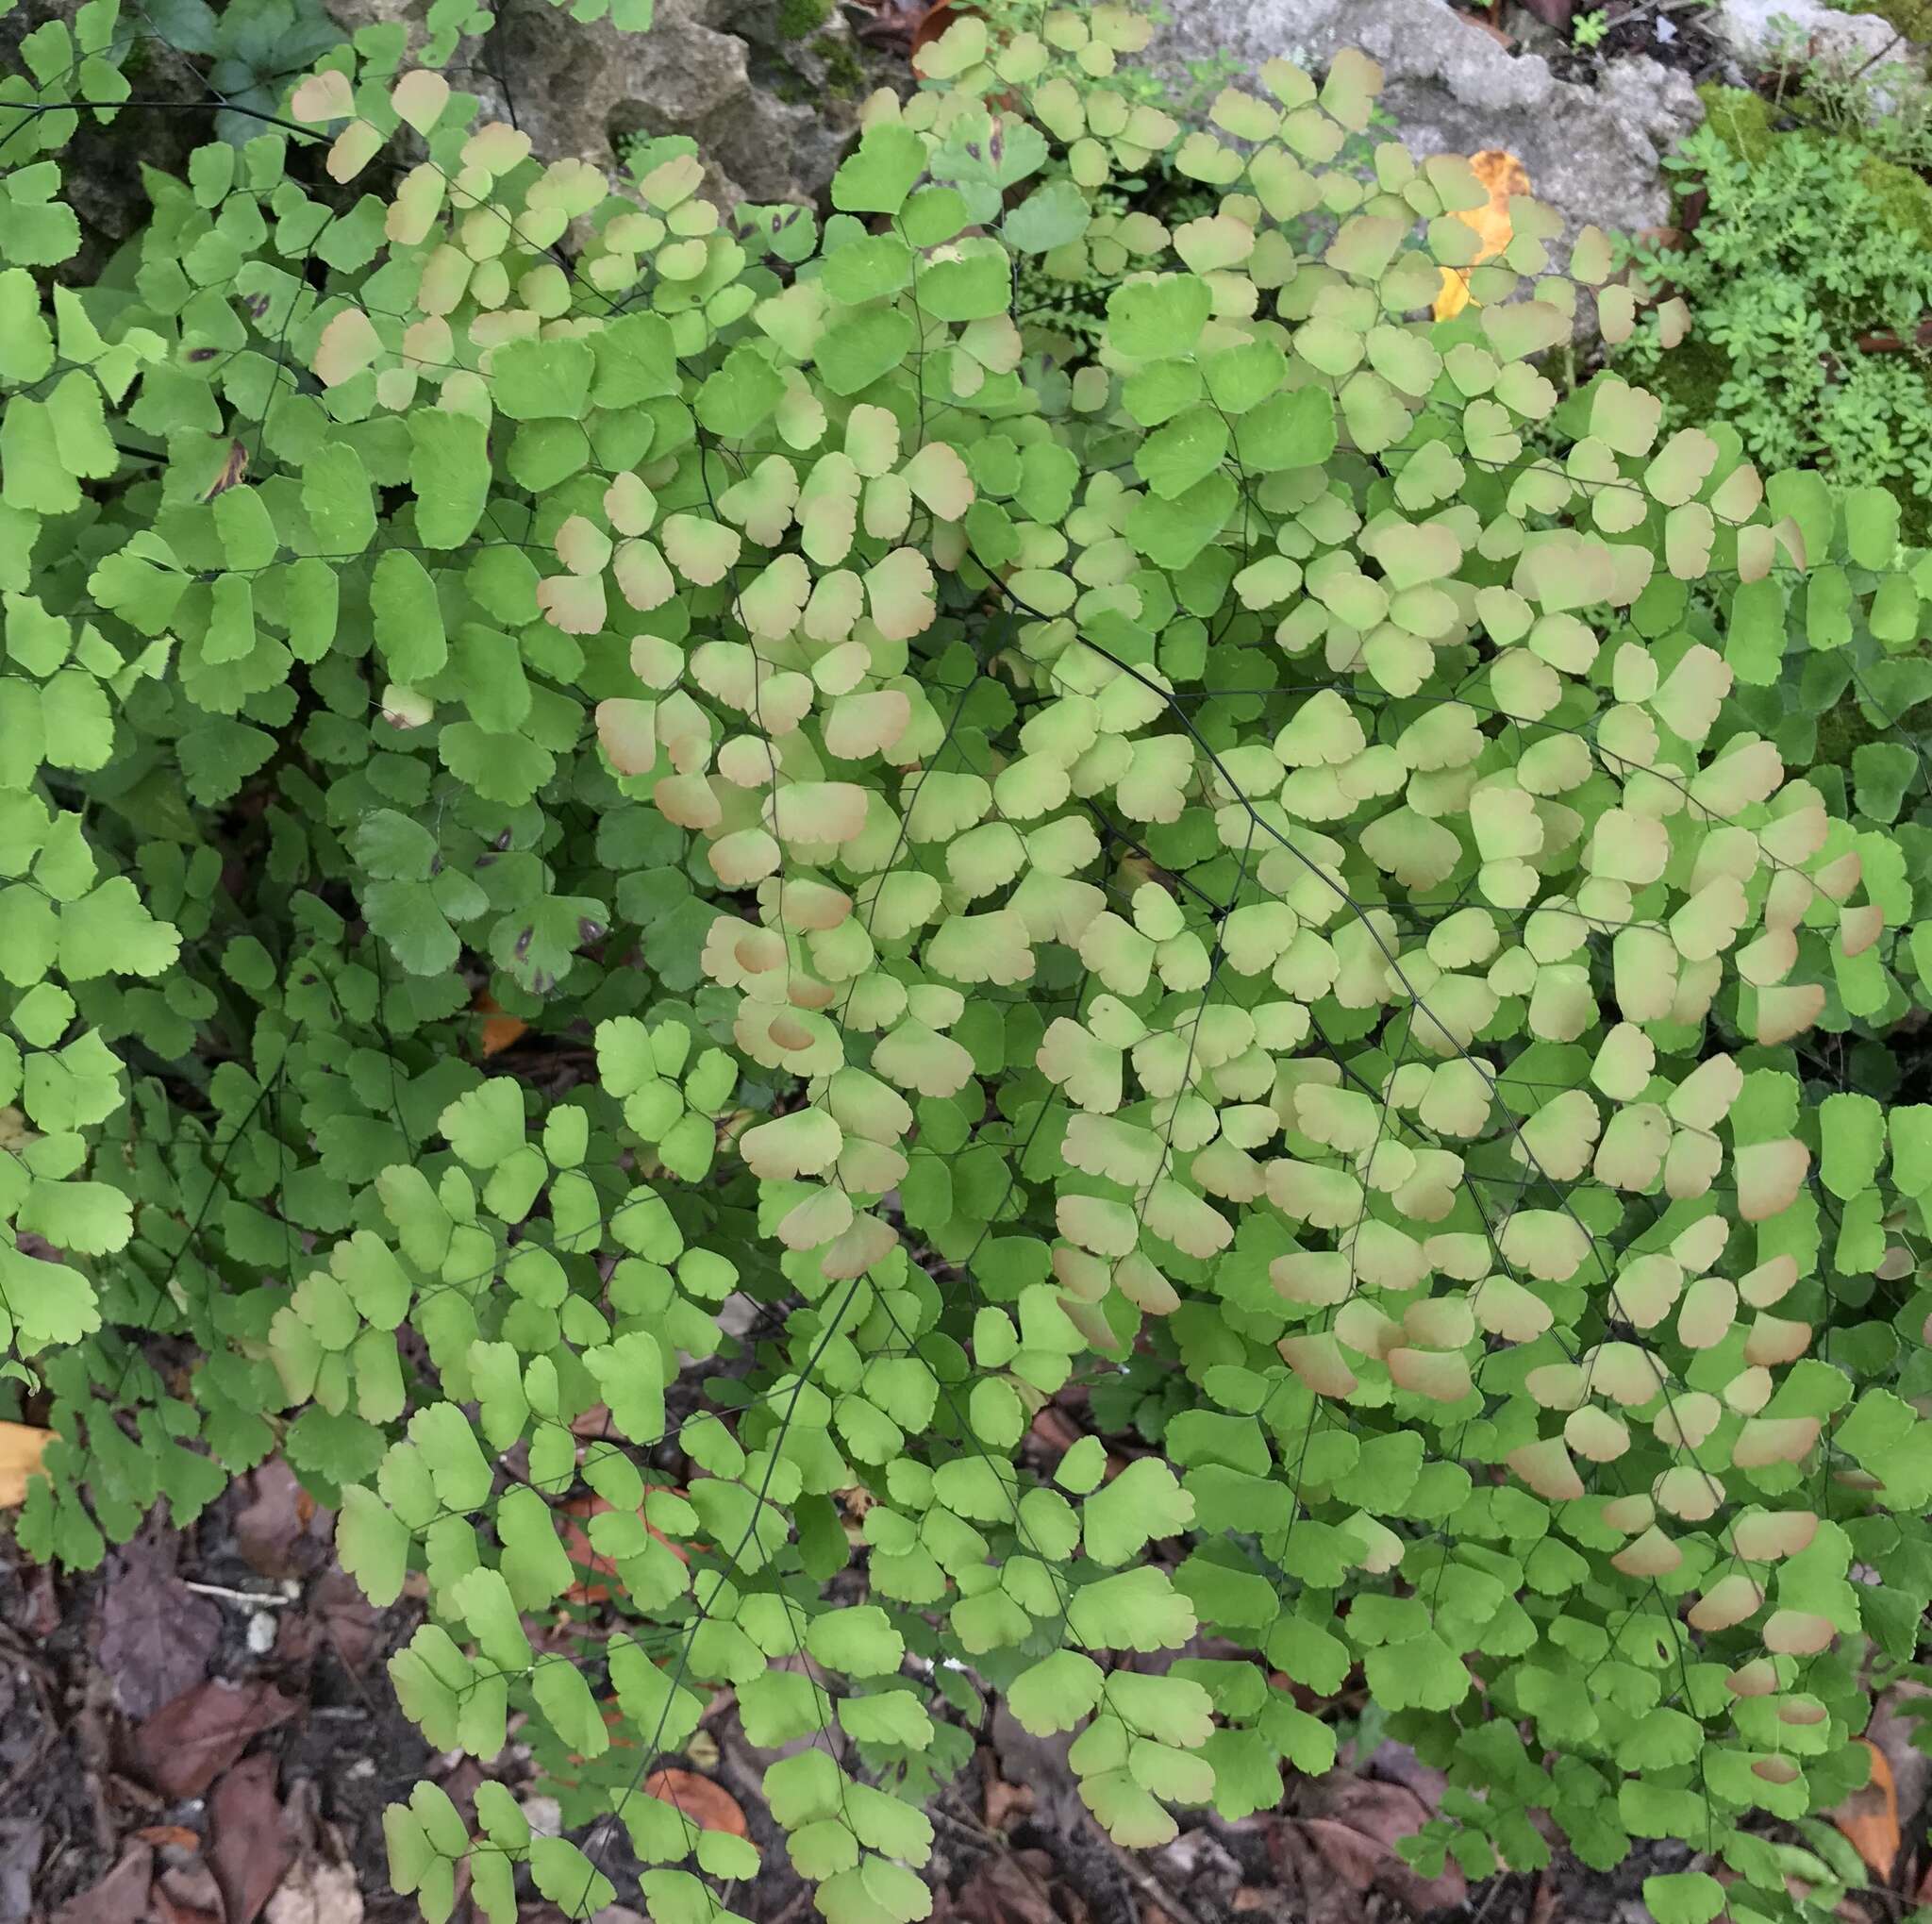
(1868, 1818)
(499, 1031)
(22, 1448)
(1502, 175)
(179, 1835)
(709, 1805)
(1054, 1428)
(579, 1548)
(612, 1717)
(933, 23)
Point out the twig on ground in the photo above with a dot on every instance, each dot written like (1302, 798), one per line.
(1147, 1883)
(258, 1600)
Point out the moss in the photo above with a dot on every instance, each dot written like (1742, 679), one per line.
(1847, 726)
(1741, 118)
(1914, 519)
(845, 75)
(1842, 730)
(1903, 198)
(797, 18)
(1688, 378)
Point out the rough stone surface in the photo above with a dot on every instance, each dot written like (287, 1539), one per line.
(100, 167)
(1765, 30)
(1591, 153)
(770, 113)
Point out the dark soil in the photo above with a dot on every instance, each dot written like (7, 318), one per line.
(1670, 33)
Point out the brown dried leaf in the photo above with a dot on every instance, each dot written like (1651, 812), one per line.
(252, 1849)
(157, 1635)
(1398, 1763)
(1868, 1818)
(498, 1030)
(1326, 1869)
(351, 1624)
(708, 1805)
(1897, 1726)
(338, 1621)
(190, 1740)
(186, 1894)
(321, 1888)
(1055, 1428)
(317, 1893)
(279, 1531)
(1351, 1834)
(120, 1897)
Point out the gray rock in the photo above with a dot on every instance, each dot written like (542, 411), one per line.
(1768, 30)
(1591, 153)
(770, 113)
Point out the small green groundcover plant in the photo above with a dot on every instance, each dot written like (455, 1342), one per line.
(1809, 274)
(1227, 872)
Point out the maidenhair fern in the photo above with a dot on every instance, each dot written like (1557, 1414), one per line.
(1223, 877)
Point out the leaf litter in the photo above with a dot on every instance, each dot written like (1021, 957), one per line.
(159, 1764)
(239, 1768)
(252, 1847)
(190, 1740)
(157, 1635)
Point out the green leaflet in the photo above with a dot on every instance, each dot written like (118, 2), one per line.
(449, 470)
(409, 621)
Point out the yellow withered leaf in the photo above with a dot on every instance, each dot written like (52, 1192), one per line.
(22, 1448)
(1502, 175)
